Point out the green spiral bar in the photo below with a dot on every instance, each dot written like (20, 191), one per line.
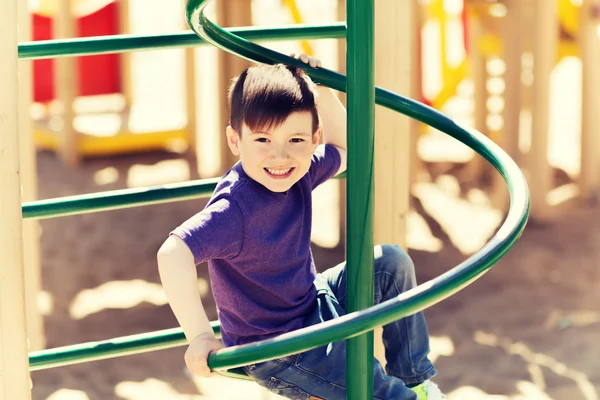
(417, 299)
(116, 347)
(347, 326)
(121, 43)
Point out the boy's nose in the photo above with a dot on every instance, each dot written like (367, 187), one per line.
(279, 153)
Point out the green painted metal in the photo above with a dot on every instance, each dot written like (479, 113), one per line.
(117, 347)
(417, 299)
(359, 190)
(117, 199)
(122, 43)
(355, 323)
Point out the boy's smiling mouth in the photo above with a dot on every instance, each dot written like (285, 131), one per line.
(279, 173)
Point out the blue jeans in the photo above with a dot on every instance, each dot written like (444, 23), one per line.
(321, 373)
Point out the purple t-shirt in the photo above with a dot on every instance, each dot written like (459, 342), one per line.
(257, 244)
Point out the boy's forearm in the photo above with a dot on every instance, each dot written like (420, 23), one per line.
(180, 283)
(333, 117)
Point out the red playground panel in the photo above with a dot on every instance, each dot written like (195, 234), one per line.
(98, 74)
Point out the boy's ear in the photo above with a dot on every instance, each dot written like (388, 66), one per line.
(233, 140)
(316, 138)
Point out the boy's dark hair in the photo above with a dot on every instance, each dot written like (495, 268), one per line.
(263, 96)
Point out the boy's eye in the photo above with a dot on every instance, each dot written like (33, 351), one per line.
(297, 140)
(262, 140)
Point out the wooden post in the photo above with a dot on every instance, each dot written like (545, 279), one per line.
(395, 52)
(191, 102)
(229, 14)
(479, 75)
(589, 179)
(190, 97)
(125, 58)
(14, 364)
(66, 83)
(31, 228)
(528, 19)
(416, 164)
(511, 53)
(544, 54)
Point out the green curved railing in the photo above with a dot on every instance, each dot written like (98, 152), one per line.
(105, 349)
(417, 299)
(350, 325)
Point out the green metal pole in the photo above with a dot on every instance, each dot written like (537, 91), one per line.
(361, 121)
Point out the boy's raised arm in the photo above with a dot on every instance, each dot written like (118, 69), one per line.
(331, 112)
(333, 121)
(177, 271)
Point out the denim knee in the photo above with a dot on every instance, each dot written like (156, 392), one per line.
(394, 261)
(394, 257)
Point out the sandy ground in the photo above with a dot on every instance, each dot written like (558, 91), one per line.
(529, 329)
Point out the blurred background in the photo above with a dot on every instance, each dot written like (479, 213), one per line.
(523, 72)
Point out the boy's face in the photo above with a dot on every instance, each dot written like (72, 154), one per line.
(280, 157)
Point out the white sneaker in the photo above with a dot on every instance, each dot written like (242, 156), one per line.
(428, 390)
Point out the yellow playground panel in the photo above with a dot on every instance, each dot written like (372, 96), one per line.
(568, 13)
(122, 142)
(442, 23)
(443, 62)
(297, 18)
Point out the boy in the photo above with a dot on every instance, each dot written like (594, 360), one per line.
(255, 234)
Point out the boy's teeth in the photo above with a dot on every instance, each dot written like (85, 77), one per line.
(278, 171)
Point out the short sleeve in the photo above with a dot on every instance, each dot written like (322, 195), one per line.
(215, 232)
(325, 164)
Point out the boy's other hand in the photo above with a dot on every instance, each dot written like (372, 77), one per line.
(196, 356)
(312, 61)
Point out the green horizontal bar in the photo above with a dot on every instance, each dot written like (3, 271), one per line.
(118, 199)
(121, 43)
(117, 347)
